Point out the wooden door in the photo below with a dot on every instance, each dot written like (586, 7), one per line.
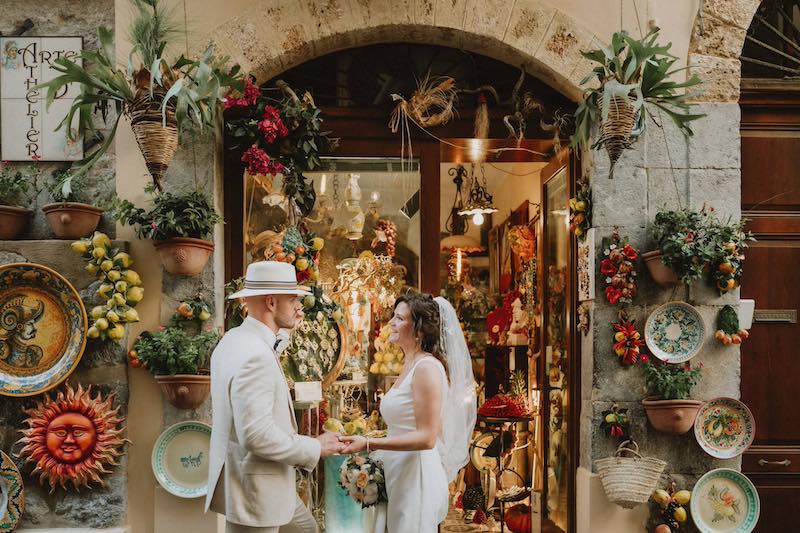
(770, 357)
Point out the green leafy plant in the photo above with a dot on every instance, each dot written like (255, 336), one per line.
(192, 87)
(63, 184)
(18, 185)
(670, 381)
(173, 215)
(682, 236)
(172, 350)
(281, 135)
(638, 72)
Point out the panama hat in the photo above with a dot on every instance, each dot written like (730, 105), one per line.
(270, 277)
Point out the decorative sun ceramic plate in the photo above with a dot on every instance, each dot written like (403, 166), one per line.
(724, 500)
(674, 332)
(12, 497)
(478, 448)
(724, 428)
(180, 459)
(43, 328)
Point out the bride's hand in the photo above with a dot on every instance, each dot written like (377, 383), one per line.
(353, 443)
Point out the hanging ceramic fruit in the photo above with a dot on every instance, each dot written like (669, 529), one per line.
(728, 330)
(673, 508)
(518, 518)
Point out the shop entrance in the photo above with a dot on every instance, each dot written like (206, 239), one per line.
(510, 275)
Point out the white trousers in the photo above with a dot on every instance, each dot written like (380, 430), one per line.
(302, 522)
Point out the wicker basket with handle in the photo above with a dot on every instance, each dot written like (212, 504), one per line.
(629, 481)
(157, 139)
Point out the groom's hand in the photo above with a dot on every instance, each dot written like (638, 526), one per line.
(330, 444)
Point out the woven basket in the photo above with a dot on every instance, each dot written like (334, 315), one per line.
(156, 142)
(629, 481)
(616, 130)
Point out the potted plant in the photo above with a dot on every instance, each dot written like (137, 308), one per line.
(728, 241)
(631, 74)
(16, 187)
(669, 408)
(179, 361)
(683, 251)
(179, 225)
(159, 97)
(69, 218)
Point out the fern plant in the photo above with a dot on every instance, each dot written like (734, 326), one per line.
(638, 72)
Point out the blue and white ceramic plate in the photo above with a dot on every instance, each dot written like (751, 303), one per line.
(12, 497)
(180, 459)
(43, 329)
(724, 500)
(674, 332)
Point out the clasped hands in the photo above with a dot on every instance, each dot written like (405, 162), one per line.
(337, 444)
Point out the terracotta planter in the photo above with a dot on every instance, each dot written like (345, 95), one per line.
(185, 391)
(661, 273)
(183, 255)
(71, 220)
(13, 221)
(672, 416)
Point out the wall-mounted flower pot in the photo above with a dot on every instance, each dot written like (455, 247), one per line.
(183, 255)
(72, 220)
(185, 391)
(13, 221)
(661, 273)
(746, 310)
(672, 416)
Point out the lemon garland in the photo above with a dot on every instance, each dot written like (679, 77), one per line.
(121, 287)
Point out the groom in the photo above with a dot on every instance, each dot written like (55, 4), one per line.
(254, 440)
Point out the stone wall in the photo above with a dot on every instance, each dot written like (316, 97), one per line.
(104, 366)
(664, 169)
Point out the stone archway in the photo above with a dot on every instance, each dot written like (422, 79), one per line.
(268, 38)
(716, 44)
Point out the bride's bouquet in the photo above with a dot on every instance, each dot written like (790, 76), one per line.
(362, 478)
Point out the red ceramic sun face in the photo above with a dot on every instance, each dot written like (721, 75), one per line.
(71, 437)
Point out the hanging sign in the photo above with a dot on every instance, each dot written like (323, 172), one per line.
(28, 127)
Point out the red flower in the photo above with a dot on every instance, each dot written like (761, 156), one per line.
(251, 93)
(616, 430)
(272, 113)
(607, 267)
(613, 295)
(272, 127)
(689, 237)
(644, 358)
(630, 252)
(259, 163)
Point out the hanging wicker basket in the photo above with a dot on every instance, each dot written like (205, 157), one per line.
(616, 130)
(629, 481)
(156, 142)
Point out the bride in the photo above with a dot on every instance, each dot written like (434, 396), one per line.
(430, 412)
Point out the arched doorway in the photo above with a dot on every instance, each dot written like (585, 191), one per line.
(354, 88)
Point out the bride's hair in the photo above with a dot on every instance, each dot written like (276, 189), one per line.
(427, 323)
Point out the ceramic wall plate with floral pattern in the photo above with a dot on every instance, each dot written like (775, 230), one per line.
(180, 459)
(724, 428)
(12, 497)
(724, 500)
(674, 332)
(43, 328)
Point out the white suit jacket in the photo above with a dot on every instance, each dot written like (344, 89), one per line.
(254, 442)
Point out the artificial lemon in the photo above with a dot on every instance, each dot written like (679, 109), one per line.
(98, 311)
(117, 332)
(134, 294)
(101, 324)
(317, 243)
(80, 246)
(93, 332)
(113, 275)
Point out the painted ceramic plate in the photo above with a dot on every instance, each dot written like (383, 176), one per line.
(12, 497)
(478, 449)
(674, 332)
(724, 428)
(43, 329)
(724, 500)
(180, 459)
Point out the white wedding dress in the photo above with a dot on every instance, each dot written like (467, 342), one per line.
(416, 484)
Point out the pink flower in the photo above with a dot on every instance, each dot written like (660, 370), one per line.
(272, 127)
(259, 163)
(251, 93)
(154, 225)
(607, 268)
(644, 358)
